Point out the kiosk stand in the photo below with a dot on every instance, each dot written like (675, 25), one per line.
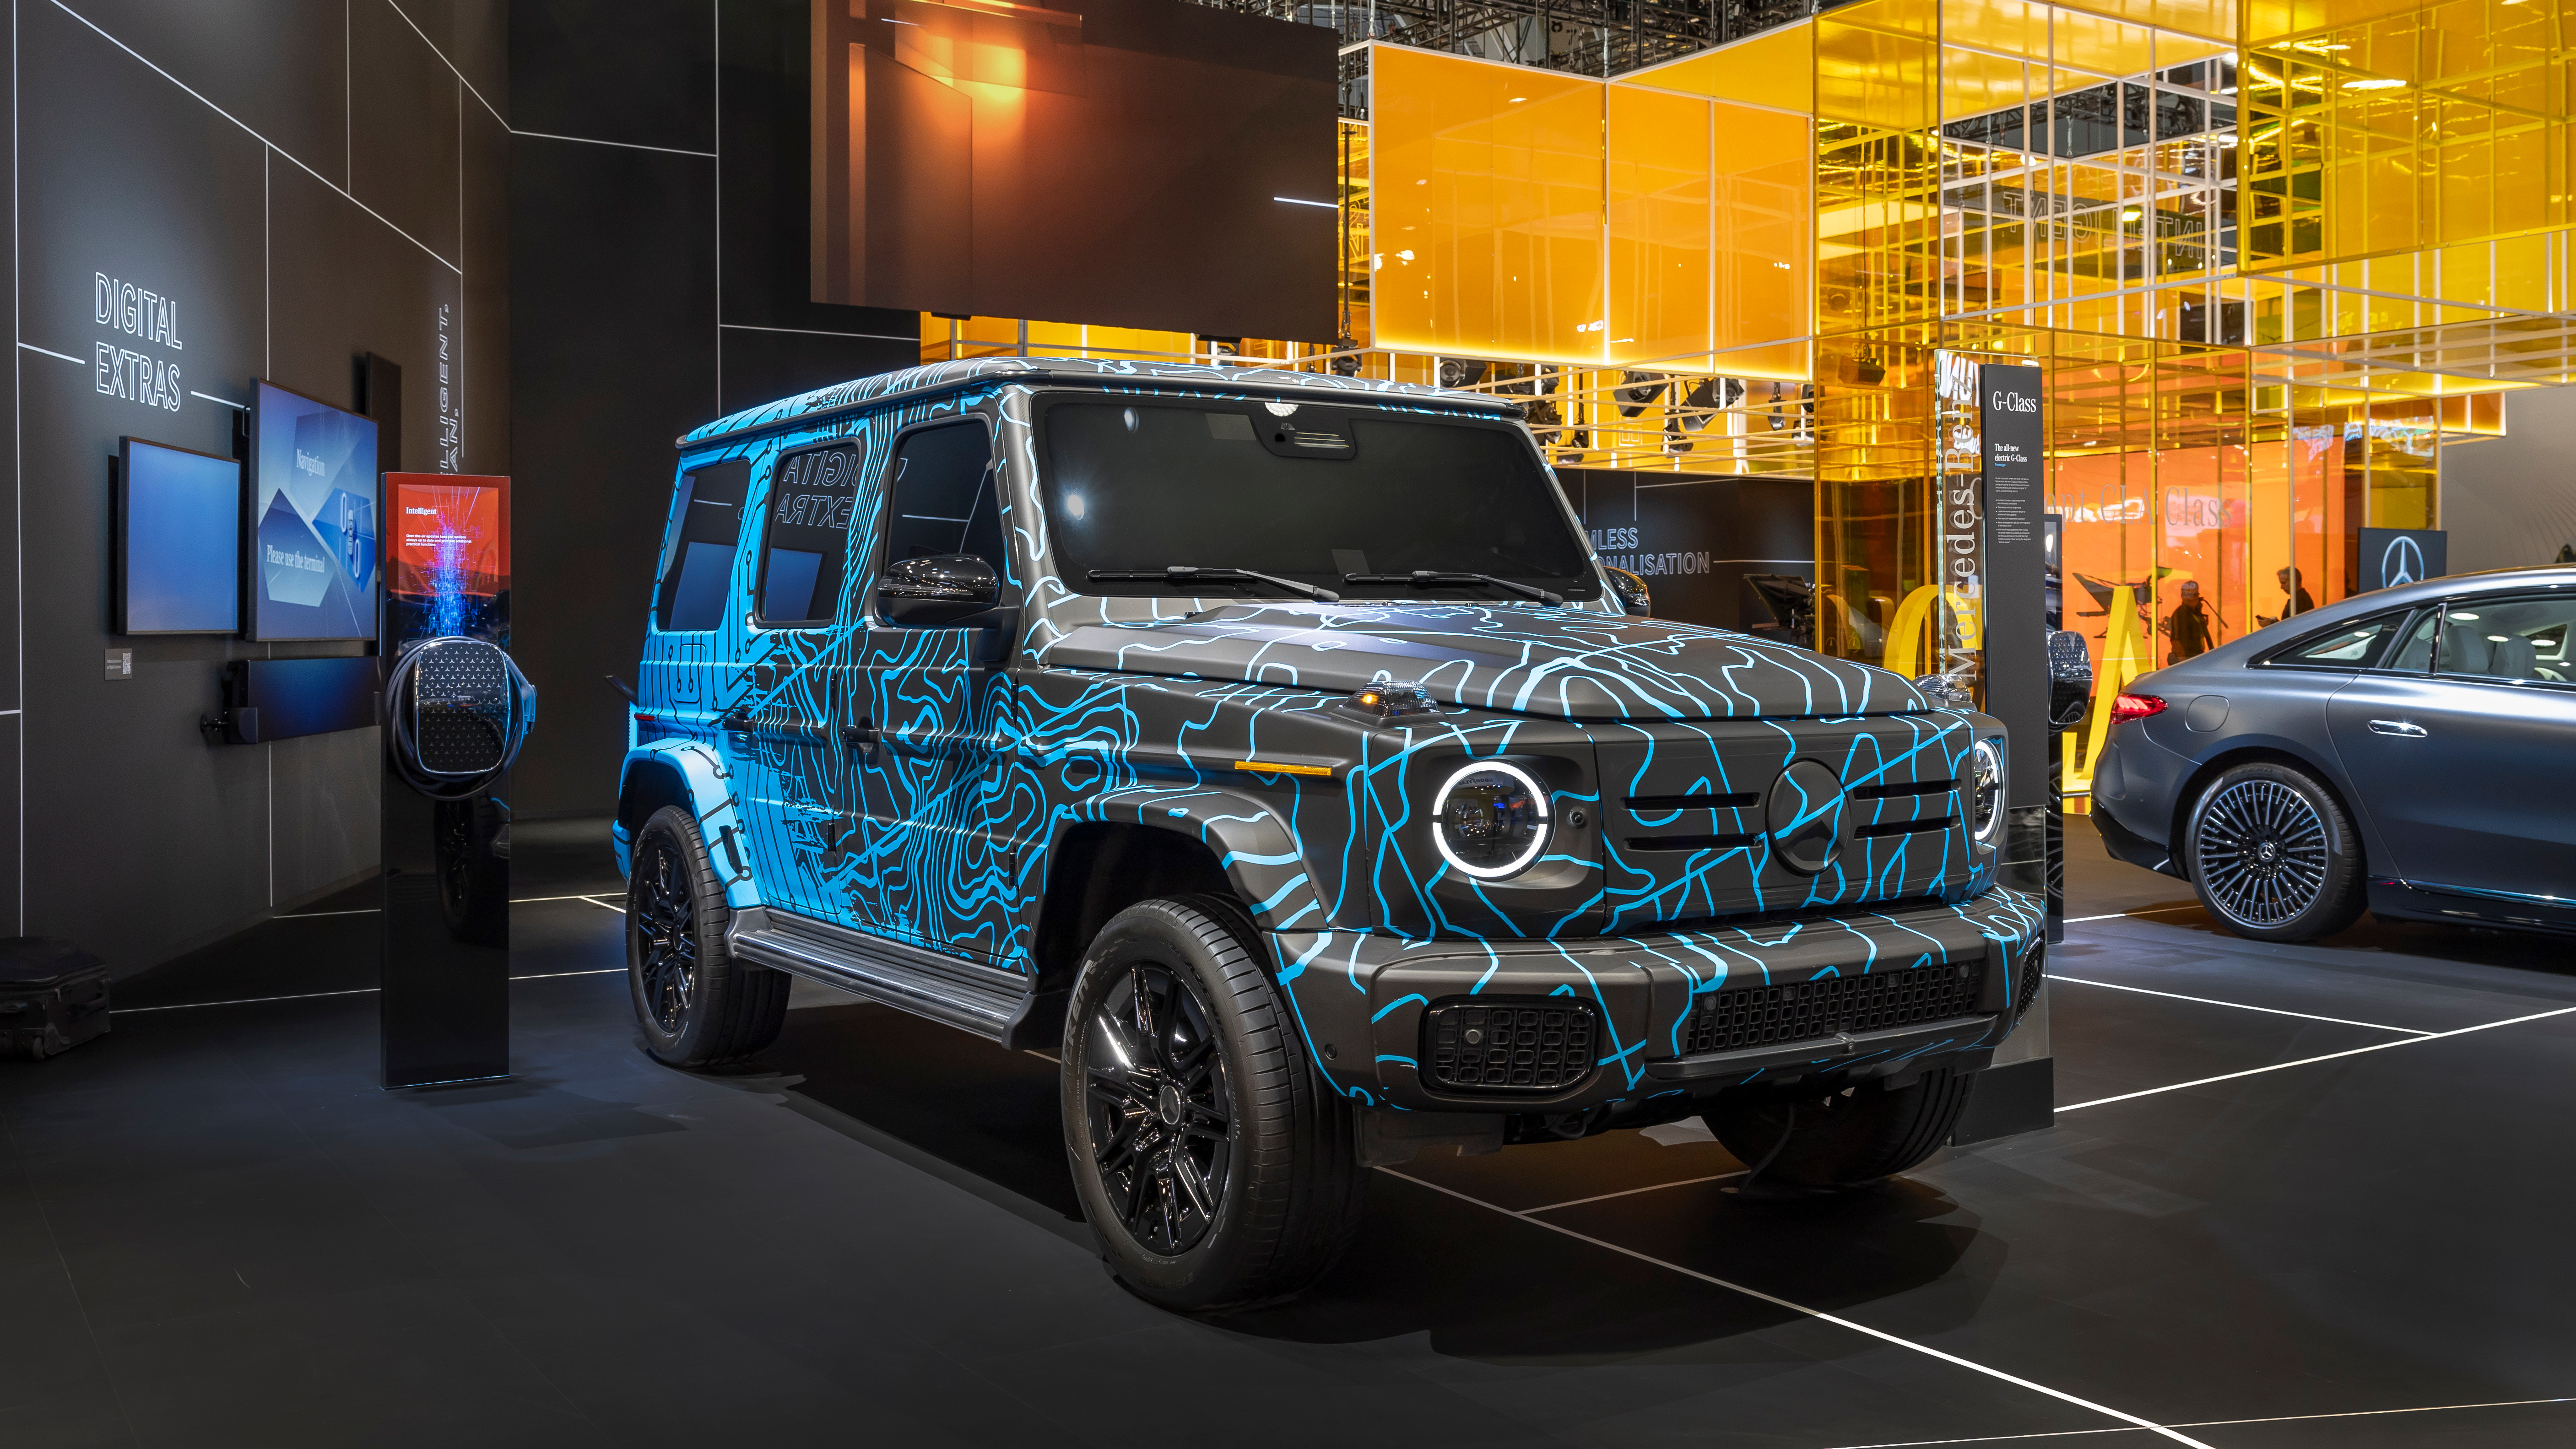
(456, 709)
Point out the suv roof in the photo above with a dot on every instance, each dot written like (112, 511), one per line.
(842, 396)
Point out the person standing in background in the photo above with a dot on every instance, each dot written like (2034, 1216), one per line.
(2191, 627)
(2294, 588)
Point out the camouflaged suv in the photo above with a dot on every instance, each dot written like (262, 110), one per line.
(1270, 748)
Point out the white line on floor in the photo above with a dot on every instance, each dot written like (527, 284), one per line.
(1822, 1317)
(242, 1001)
(2377, 1046)
(317, 915)
(2124, 915)
(352, 991)
(376, 910)
(594, 900)
(1632, 1192)
(2239, 1005)
(2212, 1424)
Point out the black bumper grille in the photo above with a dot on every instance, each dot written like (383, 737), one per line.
(2034, 964)
(1534, 1045)
(1760, 1016)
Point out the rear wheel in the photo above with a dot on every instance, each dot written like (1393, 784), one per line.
(698, 1006)
(1214, 1168)
(2273, 855)
(1844, 1141)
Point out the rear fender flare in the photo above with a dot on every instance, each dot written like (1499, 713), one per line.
(698, 774)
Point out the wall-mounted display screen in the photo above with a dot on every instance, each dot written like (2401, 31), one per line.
(178, 541)
(313, 519)
(1127, 163)
(447, 555)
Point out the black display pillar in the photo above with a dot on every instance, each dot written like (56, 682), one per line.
(2016, 611)
(445, 1006)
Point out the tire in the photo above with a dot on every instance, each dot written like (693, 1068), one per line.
(2273, 856)
(1215, 1170)
(1844, 1141)
(697, 1006)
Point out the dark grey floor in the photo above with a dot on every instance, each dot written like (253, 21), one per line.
(214, 1229)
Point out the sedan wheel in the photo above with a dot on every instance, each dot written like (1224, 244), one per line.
(2273, 855)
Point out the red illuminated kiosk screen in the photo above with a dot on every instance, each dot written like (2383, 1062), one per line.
(448, 534)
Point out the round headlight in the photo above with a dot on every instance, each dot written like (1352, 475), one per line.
(1986, 791)
(1490, 820)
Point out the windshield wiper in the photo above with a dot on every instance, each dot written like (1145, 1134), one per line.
(1185, 573)
(1433, 576)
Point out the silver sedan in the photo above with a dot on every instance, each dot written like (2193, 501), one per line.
(2410, 751)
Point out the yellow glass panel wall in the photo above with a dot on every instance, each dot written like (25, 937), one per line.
(1660, 227)
(1488, 188)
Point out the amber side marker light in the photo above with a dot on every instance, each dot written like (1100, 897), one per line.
(2135, 706)
(1267, 767)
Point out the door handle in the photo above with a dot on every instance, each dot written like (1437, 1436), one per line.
(2397, 727)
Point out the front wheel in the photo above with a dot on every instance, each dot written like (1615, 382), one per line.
(697, 1006)
(1215, 1170)
(1844, 1140)
(2273, 856)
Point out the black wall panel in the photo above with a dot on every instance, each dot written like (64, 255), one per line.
(613, 354)
(276, 66)
(139, 840)
(642, 74)
(405, 128)
(617, 283)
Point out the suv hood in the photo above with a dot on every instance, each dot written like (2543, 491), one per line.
(1562, 663)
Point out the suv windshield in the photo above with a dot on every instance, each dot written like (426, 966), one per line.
(1315, 494)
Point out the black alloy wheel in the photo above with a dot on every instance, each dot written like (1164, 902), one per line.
(663, 912)
(1162, 1113)
(1216, 1164)
(694, 1003)
(2273, 855)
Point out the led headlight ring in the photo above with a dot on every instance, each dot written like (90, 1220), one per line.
(1494, 813)
(1986, 792)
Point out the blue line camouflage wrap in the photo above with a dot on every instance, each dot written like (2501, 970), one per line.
(891, 781)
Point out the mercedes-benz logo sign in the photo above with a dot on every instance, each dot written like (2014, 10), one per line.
(1805, 817)
(2402, 562)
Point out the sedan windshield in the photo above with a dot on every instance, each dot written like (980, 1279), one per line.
(1316, 494)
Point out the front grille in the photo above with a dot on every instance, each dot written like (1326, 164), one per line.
(1534, 1044)
(1905, 827)
(1760, 1016)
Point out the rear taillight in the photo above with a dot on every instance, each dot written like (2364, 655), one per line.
(2135, 706)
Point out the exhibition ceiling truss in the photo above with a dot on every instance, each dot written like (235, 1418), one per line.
(1582, 37)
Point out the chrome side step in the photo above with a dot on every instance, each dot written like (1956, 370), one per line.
(985, 1000)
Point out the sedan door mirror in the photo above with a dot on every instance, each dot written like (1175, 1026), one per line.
(943, 589)
(2070, 679)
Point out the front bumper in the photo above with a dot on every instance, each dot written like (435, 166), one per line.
(1361, 1001)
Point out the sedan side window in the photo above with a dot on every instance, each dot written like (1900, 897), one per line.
(2355, 646)
(2415, 654)
(2508, 639)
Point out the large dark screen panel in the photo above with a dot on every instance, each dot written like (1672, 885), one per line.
(1117, 162)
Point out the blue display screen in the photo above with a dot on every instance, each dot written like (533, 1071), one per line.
(180, 518)
(314, 571)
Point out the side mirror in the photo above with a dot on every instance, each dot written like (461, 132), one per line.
(1632, 592)
(2070, 679)
(948, 588)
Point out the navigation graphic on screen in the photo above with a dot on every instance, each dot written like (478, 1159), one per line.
(313, 506)
(178, 541)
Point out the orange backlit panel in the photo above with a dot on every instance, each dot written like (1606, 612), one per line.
(1660, 227)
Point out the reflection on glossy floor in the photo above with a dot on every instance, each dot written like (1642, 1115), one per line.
(2297, 1196)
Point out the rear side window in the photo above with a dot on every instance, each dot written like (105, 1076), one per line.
(2508, 639)
(697, 558)
(2355, 646)
(942, 496)
(805, 536)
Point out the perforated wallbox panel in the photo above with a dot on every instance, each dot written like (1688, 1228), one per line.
(462, 702)
(1531, 1045)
